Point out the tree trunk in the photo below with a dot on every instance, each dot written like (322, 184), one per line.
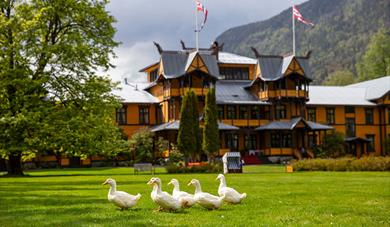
(15, 165)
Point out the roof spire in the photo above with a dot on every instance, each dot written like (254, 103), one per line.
(160, 50)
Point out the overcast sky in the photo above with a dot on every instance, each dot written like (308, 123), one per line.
(140, 22)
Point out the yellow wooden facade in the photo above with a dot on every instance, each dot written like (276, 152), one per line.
(290, 95)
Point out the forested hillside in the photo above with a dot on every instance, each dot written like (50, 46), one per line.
(342, 31)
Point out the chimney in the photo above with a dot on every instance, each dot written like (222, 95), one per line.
(126, 81)
(215, 49)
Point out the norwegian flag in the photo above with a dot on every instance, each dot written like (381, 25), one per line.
(201, 8)
(297, 15)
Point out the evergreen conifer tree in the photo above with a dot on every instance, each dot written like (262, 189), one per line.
(210, 132)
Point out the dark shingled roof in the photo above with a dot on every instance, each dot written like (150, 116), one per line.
(175, 63)
(233, 92)
(273, 67)
(174, 125)
(290, 125)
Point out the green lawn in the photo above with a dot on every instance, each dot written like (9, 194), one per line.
(75, 197)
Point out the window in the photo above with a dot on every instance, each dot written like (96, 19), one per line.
(349, 109)
(371, 144)
(221, 112)
(369, 116)
(264, 112)
(171, 113)
(231, 112)
(121, 116)
(312, 140)
(280, 112)
(243, 110)
(234, 73)
(255, 112)
(330, 116)
(275, 140)
(388, 115)
(281, 140)
(143, 115)
(231, 141)
(350, 127)
(153, 75)
(250, 142)
(286, 140)
(311, 114)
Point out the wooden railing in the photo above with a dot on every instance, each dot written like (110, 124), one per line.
(283, 94)
(182, 91)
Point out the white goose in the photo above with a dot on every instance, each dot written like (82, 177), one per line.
(161, 198)
(186, 200)
(121, 199)
(205, 199)
(230, 194)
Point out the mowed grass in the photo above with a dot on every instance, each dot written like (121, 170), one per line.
(75, 197)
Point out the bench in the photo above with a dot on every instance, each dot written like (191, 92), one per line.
(142, 167)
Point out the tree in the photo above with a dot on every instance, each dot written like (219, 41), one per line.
(195, 124)
(210, 130)
(340, 78)
(141, 145)
(376, 60)
(333, 146)
(50, 97)
(188, 140)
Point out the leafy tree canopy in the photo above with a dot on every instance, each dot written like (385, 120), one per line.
(375, 62)
(50, 97)
(340, 78)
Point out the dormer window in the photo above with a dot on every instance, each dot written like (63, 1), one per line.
(234, 73)
(153, 75)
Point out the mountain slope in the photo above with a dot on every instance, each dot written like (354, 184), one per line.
(343, 29)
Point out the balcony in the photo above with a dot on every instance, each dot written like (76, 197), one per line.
(265, 95)
(182, 91)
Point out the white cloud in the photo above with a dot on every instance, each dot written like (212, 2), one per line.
(131, 59)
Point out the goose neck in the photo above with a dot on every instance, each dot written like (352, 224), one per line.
(198, 188)
(222, 183)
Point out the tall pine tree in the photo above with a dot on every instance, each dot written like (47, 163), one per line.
(210, 143)
(188, 140)
(195, 124)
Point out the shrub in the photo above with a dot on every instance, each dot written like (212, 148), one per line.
(343, 164)
(208, 168)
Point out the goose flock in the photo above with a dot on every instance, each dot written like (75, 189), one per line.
(178, 199)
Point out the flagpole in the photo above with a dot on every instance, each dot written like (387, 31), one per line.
(196, 30)
(293, 28)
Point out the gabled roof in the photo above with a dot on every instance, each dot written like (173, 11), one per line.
(134, 93)
(375, 89)
(274, 67)
(333, 95)
(175, 63)
(291, 124)
(174, 125)
(233, 92)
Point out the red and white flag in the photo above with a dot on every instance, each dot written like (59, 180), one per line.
(201, 8)
(298, 16)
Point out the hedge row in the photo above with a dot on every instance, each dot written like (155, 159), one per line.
(343, 164)
(209, 168)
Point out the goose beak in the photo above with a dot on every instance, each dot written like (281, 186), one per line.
(150, 182)
(170, 182)
(104, 183)
(189, 184)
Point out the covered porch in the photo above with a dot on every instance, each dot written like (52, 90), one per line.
(295, 137)
(169, 131)
(357, 146)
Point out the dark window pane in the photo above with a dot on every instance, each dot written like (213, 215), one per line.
(121, 118)
(371, 144)
(311, 114)
(350, 127)
(243, 112)
(234, 73)
(255, 112)
(369, 116)
(144, 115)
(231, 112)
(330, 116)
(349, 109)
(221, 112)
